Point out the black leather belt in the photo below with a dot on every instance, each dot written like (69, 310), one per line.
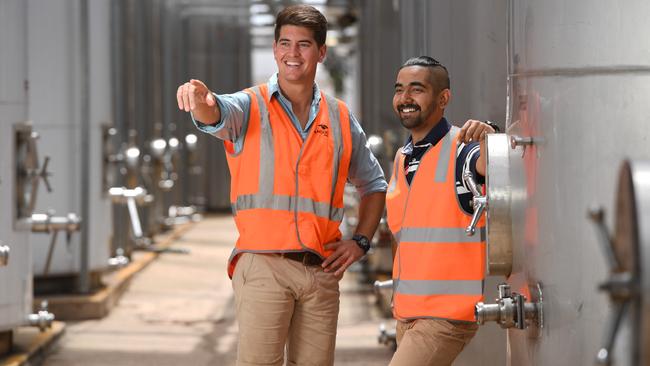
(306, 258)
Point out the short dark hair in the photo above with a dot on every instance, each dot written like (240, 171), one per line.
(303, 16)
(439, 72)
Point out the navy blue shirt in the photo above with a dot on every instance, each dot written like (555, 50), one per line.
(466, 159)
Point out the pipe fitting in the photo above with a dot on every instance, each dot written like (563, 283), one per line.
(383, 284)
(387, 337)
(47, 223)
(122, 195)
(42, 319)
(510, 311)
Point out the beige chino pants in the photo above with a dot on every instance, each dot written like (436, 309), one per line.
(430, 342)
(281, 302)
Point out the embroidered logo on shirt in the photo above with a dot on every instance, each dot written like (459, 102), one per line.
(321, 129)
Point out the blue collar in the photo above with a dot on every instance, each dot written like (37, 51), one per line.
(274, 90)
(433, 137)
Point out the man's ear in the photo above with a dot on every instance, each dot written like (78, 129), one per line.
(322, 51)
(444, 98)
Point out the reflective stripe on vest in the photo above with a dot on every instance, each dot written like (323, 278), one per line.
(438, 235)
(438, 270)
(294, 208)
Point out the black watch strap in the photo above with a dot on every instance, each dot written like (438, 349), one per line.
(362, 241)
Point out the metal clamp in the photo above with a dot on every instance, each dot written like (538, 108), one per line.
(510, 311)
(479, 202)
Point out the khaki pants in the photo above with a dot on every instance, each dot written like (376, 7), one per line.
(435, 342)
(283, 302)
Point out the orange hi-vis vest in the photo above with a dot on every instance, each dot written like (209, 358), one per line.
(286, 193)
(438, 270)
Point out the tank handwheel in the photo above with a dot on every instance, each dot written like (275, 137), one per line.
(628, 254)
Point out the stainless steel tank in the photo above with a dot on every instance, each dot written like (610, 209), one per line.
(16, 249)
(215, 41)
(68, 72)
(469, 38)
(579, 82)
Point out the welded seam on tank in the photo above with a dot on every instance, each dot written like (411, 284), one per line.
(584, 71)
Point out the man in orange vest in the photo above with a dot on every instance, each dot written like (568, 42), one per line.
(438, 270)
(290, 150)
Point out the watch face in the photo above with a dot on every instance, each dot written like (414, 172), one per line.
(362, 241)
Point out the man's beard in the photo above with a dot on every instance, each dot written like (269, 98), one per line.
(412, 122)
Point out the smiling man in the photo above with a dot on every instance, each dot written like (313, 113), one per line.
(290, 149)
(438, 271)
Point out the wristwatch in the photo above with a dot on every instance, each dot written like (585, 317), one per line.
(362, 241)
(493, 125)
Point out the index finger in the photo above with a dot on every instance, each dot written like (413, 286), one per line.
(461, 133)
(179, 97)
(334, 256)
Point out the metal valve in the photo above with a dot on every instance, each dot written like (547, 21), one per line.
(191, 142)
(387, 336)
(626, 252)
(479, 202)
(521, 141)
(122, 195)
(383, 284)
(4, 255)
(110, 158)
(48, 223)
(157, 147)
(168, 175)
(510, 311)
(182, 214)
(120, 260)
(42, 319)
(525, 142)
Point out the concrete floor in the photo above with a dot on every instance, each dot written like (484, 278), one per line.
(178, 311)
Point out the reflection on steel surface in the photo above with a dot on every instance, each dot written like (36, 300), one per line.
(498, 200)
(4, 255)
